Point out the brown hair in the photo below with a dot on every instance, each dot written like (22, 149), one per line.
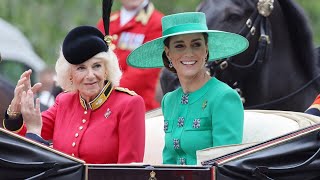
(165, 59)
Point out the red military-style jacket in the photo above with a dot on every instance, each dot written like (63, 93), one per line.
(110, 129)
(145, 26)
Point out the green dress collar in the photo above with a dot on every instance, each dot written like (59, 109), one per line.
(190, 98)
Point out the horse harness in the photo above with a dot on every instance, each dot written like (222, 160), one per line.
(259, 18)
(263, 52)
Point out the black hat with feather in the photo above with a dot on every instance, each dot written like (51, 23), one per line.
(84, 42)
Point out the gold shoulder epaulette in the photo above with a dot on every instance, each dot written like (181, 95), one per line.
(126, 90)
(144, 15)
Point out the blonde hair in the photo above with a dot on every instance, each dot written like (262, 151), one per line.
(63, 70)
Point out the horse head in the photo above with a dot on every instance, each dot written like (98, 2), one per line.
(278, 70)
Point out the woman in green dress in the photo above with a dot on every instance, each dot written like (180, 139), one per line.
(204, 112)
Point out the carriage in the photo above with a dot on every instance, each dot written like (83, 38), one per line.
(289, 150)
(276, 145)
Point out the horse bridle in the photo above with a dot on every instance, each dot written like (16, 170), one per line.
(258, 18)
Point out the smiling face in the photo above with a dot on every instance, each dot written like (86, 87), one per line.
(89, 77)
(188, 54)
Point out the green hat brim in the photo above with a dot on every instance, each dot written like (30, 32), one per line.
(221, 45)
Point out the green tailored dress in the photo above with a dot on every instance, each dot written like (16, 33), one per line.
(211, 116)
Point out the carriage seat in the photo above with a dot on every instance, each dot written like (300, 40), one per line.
(154, 138)
(259, 126)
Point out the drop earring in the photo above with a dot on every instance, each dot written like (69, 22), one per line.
(170, 64)
(71, 81)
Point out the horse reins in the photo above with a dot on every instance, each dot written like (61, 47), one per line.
(248, 31)
(285, 97)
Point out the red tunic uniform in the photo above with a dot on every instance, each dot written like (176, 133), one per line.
(145, 26)
(110, 130)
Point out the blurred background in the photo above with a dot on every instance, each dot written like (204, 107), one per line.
(46, 22)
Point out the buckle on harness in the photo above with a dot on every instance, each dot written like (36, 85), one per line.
(265, 38)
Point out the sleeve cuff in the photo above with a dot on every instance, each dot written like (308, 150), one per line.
(313, 111)
(13, 124)
(37, 138)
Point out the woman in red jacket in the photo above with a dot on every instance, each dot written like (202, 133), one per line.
(95, 120)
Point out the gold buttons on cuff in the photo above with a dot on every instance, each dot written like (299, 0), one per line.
(73, 144)
(76, 135)
(81, 127)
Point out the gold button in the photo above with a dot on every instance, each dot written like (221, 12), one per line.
(85, 112)
(76, 135)
(115, 37)
(73, 144)
(72, 154)
(83, 121)
(80, 128)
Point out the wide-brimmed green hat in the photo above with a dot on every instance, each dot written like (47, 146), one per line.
(221, 44)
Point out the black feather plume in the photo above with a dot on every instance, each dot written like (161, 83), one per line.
(106, 11)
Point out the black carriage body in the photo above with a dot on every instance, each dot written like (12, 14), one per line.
(145, 172)
(21, 158)
(292, 156)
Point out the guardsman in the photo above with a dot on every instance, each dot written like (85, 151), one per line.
(137, 22)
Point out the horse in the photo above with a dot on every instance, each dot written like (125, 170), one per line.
(279, 70)
(6, 95)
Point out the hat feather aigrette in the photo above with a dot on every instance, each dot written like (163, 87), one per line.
(84, 42)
